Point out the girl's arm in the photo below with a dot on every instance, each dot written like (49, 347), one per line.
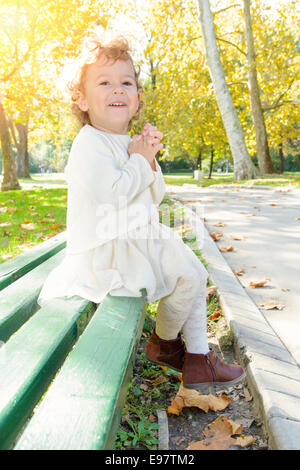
(158, 187)
(94, 167)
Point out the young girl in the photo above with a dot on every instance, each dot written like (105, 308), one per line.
(115, 243)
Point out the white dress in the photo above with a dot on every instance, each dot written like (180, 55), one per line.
(151, 256)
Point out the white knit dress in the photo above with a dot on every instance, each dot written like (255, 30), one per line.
(150, 256)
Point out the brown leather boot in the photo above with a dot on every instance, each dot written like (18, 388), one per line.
(164, 352)
(202, 371)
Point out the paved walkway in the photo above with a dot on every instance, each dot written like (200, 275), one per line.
(268, 221)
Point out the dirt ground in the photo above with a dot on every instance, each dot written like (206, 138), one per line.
(188, 426)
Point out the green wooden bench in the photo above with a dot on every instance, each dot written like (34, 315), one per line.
(65, 367)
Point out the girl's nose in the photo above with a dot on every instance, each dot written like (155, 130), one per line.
(118, 88)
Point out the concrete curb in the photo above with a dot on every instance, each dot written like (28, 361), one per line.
(272, 373)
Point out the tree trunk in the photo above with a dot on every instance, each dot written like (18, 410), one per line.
(199, 161)
(23, 170)
(262, 147)
(211, 161)
(10, 180)
(282, 161)
(243, 165)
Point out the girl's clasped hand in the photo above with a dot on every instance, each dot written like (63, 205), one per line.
(147, 143)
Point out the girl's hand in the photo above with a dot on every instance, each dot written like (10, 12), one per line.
(152, 131)
(145, 145)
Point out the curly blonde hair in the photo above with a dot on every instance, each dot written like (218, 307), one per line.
(100, 42)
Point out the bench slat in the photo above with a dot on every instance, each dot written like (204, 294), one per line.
(19, 265)
(30, 359)
(18, 301)
(82, 408)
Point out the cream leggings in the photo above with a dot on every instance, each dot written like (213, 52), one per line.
(185, 308)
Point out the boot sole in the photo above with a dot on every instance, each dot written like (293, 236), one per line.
(163, 364)
(209, 386)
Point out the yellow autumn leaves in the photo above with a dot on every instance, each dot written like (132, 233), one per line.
(219, 433)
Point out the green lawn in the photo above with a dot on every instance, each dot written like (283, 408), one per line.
(286, 179)
(28, 217)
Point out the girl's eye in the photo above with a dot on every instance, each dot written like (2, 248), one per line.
(103, 83)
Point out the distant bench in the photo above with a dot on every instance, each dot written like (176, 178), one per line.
(87, 352)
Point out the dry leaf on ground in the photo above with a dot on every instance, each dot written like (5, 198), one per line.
(209, 291)
(220, 224)
(188, 397)
(259, 283)
(249, 215)
(270, 304)
(218, 436)
(239, 272)
(215, 315)
(237, 237)
(216, 235)
(28, 226)
(226, 248)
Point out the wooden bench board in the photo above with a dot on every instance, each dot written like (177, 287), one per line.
(16, 267)
(18, 300)
(82, 408)
(32, 356)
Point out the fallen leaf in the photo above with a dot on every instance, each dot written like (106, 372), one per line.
(297, 218)
(54, 226)
(27, 221)
(4, 224)
(220, 224)
(215, 315)
(272, 204)
(209, 291)
(270, 304)
(218, 436)
(226, 248)
(245, 441)
(46, 219)
(50, 235)
(216, 235)
(249, 215)
(238, 237)
(160, 379)
(259, 283)
(239, 272)
(248, 397)
(28, 226)
(285, 290)
(144, 387)
(189, 397)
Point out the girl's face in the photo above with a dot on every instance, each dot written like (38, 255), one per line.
(106, 83)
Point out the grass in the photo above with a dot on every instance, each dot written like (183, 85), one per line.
(28, 217)
(286, 179)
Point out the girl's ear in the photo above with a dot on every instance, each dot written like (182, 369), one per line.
(82, 102)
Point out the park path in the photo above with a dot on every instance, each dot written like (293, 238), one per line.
(269, 219)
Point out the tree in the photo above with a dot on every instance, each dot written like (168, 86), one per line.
(263, 154)
(243, 166)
